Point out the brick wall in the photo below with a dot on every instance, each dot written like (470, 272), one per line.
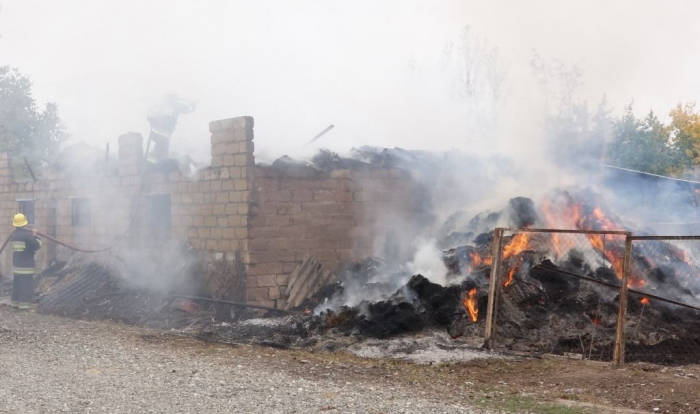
(335, 216)
(266, 217)
(209, 209)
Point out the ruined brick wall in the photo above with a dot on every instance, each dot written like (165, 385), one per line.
(337, 217)
(208, 209)
(266, 218)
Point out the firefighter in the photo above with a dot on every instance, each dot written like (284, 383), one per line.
(24, 244)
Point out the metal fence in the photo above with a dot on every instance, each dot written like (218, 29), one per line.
(554, 291)
(662, 310)
(601, 295)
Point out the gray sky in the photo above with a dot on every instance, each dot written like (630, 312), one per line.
(297, 66)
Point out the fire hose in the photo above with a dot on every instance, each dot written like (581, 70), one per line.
(53, 239)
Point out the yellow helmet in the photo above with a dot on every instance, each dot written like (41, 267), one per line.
(20, 220)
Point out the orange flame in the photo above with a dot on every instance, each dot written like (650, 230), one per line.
(557, 245)
(603, 221)
(635, 282)
(596, 241)
(478, 260)
(596, 321)
(469, 302)
(511, 274)
(518, 244)
(645, 301)
(616, 262)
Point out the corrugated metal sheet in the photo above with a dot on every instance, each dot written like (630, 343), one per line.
(308, 277)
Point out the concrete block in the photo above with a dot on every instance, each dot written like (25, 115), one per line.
(218, 149)
(288, 208)
(321, 208)
(343, 197)
(292, 232)
(257, 294)
(324, 195)
(302, 195)
(228, 233)
(235, 220)
(259, 245)
(241, 232)
(274, 293)
(221, 198)
(267, 280)
(240, 184)
(246, 147)
(264, 232)
(242, 122)
(280, 196)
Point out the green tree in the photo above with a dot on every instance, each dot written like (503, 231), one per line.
(26, 130)
(642, 144)
(685, 137)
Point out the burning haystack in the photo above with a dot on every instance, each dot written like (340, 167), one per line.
(558, 291)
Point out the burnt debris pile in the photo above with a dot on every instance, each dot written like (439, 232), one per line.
(558, 292)
(419, 305)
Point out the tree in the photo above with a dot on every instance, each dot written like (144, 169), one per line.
(479, 75)
(25, 129)
(685, 137)
(642, 144)
(575, 135)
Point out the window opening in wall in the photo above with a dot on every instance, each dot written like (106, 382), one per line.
(82, 212)
(160, 215)
(26, 207)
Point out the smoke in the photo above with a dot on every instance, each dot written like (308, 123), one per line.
(134, 220)
(499, 121)
(428, 261)
(387, 84)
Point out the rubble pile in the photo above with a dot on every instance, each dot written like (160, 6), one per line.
(555, 298)
(93, 291)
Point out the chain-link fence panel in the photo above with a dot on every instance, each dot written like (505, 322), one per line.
(556, 291)
(662, 323)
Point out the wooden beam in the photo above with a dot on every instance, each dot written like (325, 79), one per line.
(494, 284)
(619, 350)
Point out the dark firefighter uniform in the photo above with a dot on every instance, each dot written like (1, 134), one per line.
(24, 244)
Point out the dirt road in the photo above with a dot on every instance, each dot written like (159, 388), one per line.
(50, 364)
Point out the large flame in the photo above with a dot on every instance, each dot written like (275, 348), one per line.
(469, 302)
(518, 244)
(603, 221)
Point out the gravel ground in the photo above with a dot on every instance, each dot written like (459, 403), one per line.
(50, 365)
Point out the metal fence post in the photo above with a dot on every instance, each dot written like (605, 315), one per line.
(494, 287)
(619, 350)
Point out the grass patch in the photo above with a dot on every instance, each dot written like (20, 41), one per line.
(520, 403)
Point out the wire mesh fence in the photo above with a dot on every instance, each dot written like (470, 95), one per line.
(555, 291)
(662, 321)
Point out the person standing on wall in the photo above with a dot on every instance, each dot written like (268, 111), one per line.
(24, 244)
